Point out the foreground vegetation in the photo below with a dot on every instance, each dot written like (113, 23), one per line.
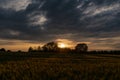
(49, 66)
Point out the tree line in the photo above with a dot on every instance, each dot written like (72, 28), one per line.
(53, 47)
(79, 48)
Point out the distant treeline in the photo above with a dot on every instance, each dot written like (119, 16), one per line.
(80, 48)
(105, 52)
(53, 47)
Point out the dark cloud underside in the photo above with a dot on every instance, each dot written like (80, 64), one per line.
(46, 20)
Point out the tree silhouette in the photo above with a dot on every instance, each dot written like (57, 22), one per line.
(39, 48)
(30, 49)
(9, 51)
(50, 47)
(81, 47)
(2, 50)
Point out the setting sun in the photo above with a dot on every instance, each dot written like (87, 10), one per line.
(61, 45)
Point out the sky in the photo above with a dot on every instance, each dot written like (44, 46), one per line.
(25, 23)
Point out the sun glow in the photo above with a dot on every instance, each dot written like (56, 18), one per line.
(61, 45)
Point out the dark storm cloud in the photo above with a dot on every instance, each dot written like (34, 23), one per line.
(58, 12)
(43, 20)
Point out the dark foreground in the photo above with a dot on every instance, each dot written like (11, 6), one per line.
(42, 66)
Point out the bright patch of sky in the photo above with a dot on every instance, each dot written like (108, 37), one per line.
(16, 5)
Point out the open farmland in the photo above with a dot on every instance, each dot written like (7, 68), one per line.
(49, 66)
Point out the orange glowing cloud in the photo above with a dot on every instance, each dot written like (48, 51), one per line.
(65, 43)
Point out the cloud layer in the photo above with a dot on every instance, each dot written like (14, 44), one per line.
(75, 20)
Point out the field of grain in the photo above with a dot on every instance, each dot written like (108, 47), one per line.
(42, 66)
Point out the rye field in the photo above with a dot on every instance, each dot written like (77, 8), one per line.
(54, 66)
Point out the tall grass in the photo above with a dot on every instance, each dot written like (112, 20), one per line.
(61, 67)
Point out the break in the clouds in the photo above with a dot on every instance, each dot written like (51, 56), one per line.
(14, 4)
(96, 22)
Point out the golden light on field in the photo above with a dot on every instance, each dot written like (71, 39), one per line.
(62, 45)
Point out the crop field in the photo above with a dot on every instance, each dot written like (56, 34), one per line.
(49, 66)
